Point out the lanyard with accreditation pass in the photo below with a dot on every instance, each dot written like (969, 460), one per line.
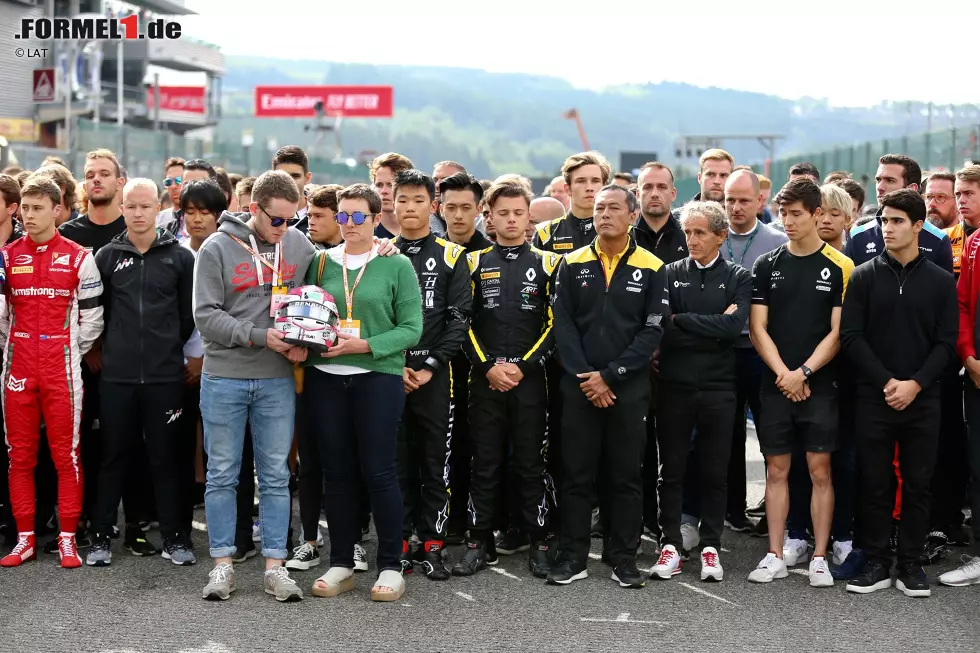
(279, 291)
(350, 326)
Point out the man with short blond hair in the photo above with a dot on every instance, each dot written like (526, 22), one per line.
(383, 170)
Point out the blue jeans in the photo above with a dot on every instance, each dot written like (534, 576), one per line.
(269, 406)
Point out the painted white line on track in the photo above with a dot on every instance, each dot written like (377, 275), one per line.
(465, 596)
(799, 572)
(708, 594)
(647, 538)
(623, 618)
(724, 550)
(199, 526)
(504, 572)
(323, 523)
(595, 556)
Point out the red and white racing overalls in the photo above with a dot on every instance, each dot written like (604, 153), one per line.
(51, 317)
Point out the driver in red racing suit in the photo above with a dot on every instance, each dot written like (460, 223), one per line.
(51, 316)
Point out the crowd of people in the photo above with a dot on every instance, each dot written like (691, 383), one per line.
(511, 373)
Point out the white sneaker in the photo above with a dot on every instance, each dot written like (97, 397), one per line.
(795, 552)
(820, 573)
(968, 574)
(841, 551)
(360, 558)
(256, 531)
(690, 537)
(669, 564)
(769, 569)
(710, 566)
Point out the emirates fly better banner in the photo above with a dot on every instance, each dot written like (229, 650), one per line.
(347, 101)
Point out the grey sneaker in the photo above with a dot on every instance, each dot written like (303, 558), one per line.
(278, 583)
(221, 583)
(179, 554)
(99, 555)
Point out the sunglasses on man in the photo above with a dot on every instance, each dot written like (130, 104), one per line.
(172, 181)
(278, 221)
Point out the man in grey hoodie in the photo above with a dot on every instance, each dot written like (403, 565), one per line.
(748, 239)
(241, 270)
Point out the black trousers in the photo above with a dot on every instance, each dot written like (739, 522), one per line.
(847, 521)
(679, 412)
(553, 466)
(651, 465)
(310, 472)
(510, 425)
(354, 419)
(245, 493)
(459, 460)
(949, 480)
(424, 451)
(916, 430)
(608, 441)
(748, 370)
(150, 413)
(136, 498)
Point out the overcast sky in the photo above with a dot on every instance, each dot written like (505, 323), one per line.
(836, 49)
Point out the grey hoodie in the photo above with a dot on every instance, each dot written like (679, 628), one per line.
(744, 249)
(231, 310)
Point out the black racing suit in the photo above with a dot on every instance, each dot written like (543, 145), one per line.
(562, 236)
(426, 432)
(148, 317)
(459, 463)
(512, 323)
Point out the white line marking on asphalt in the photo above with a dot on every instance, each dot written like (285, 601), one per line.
(595, 556)
(465, 596)
(708, 594)
(504, 572)
(323, 523)
(724, 550)
(623, 618)
(199, 526)
(647, 538)
(800, 572)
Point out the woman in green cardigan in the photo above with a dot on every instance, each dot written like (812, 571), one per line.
(355, 394)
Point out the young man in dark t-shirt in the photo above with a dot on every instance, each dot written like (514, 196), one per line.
(797, 294)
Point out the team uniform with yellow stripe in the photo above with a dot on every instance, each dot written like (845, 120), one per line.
(609, 314)
(511, 325)
(564, 235)
(426, 433)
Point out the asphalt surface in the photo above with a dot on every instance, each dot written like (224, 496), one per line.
(141, 605)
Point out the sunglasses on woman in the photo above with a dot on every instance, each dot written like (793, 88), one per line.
(357, 217)
(170, 181)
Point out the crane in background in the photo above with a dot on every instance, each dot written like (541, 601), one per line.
(572, 114)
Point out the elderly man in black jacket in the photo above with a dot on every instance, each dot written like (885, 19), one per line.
(898, 327)
(709, 304)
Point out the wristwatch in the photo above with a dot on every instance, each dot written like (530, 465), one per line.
(807, 372)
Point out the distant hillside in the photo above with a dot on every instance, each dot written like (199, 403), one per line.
(497, 123)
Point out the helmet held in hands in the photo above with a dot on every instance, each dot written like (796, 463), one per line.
(308, 317)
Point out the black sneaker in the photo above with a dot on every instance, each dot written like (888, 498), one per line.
(411, 553)
(304, 557)
(137, 544)
(539, 560)
(473, 560)
(99, 554)
(912, 582)
(567, 572)
(761, 528)
(627, 575)
(512, 541)
(739, 523)
(244, 552)
(876, 576)
(432, 563)
(957, 536)
(934, 549)
(597, 529)
(454, 537)
(758, 510)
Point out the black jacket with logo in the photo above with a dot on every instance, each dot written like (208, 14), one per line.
(612, 329)
(148, 309)
(900, 322)
(698, 350)
(669, 244)
(444, 281)
(512, 317)
(564, 235)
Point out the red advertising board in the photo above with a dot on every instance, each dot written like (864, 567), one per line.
(189, 99)
(347, 101)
